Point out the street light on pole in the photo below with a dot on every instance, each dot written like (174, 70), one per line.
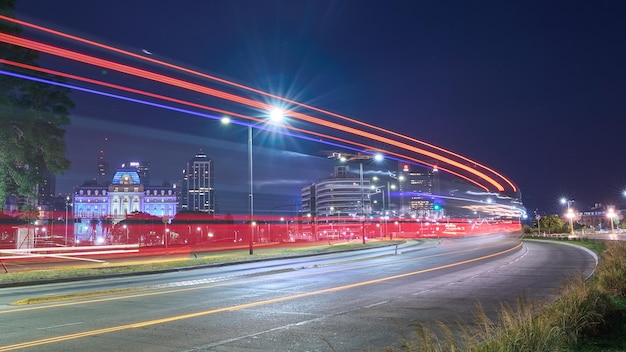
(570, 213)
(276, 115)
(389, 187)
(611, 215)
(67, 203)
(332, 228)
(345, 157)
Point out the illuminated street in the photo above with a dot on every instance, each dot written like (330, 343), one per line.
(309, 304)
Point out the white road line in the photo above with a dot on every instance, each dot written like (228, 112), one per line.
(60, 326)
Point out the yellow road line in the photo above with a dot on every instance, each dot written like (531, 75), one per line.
(49, 299)
(240, 306)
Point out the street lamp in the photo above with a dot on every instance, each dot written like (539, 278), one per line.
(360, 157)
(611, 214)
(570, 215)
(332, 227)
(67, 204)
(276, 115)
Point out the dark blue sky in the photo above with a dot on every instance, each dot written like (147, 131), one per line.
(533, 89)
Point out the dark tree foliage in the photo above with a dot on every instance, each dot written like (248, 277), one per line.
(32, 120)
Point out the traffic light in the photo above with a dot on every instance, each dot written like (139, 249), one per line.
(436, 206)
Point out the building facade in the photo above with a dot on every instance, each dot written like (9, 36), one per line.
(338, 195)
(95, 205)
(417, 191)
(197, 191)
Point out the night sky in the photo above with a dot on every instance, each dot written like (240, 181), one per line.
(536, 90)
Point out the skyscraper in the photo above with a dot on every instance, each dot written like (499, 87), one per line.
(198, 185)
(143, 170)
(420, 187)
(46, 189)
(103, 169)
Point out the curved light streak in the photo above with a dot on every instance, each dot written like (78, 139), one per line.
(227, 96)
(244, 87)
(132, 90)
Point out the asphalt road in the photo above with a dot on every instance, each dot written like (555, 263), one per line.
(338, 302)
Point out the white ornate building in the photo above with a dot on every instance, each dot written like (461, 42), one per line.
(94, 204)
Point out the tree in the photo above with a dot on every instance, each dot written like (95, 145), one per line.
(32, 117)
(551, 223)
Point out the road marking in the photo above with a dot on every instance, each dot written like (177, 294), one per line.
(60, 326)
(376, 304)
(240, 306)
(195, 282)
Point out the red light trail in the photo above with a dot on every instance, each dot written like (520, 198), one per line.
(217, 79)
(184, 102)
(238, 99)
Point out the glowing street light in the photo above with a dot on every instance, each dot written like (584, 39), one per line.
(360, 157)
(276, 115)
(611, 215)
(67, 204)
(570, 212)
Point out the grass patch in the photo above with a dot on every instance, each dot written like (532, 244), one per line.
(598, 246)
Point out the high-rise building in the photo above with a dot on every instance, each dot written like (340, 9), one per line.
(418, 189)
(143, 170)
(339, 194)
(198, 185)
(46, 189)
(103, 169)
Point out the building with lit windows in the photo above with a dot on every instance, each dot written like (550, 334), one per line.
(197, 188)
(143, 170)
(95, 206)
(419, 186)
(338, 195)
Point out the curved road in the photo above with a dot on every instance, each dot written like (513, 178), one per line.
(338, 302)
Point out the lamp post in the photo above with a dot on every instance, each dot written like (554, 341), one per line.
(332, 228)
(360, 157)
(250, 191)
(275, 115)
(67, 203)
(570, 215)
(570, 212)
(611, 214)
(384, 215)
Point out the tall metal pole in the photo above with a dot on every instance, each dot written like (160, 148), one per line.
(388, 195)
(384, 202)
(250, 194)
(389, 205)
(67, 201)
(362, 201)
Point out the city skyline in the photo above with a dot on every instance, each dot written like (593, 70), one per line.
(535, 104)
